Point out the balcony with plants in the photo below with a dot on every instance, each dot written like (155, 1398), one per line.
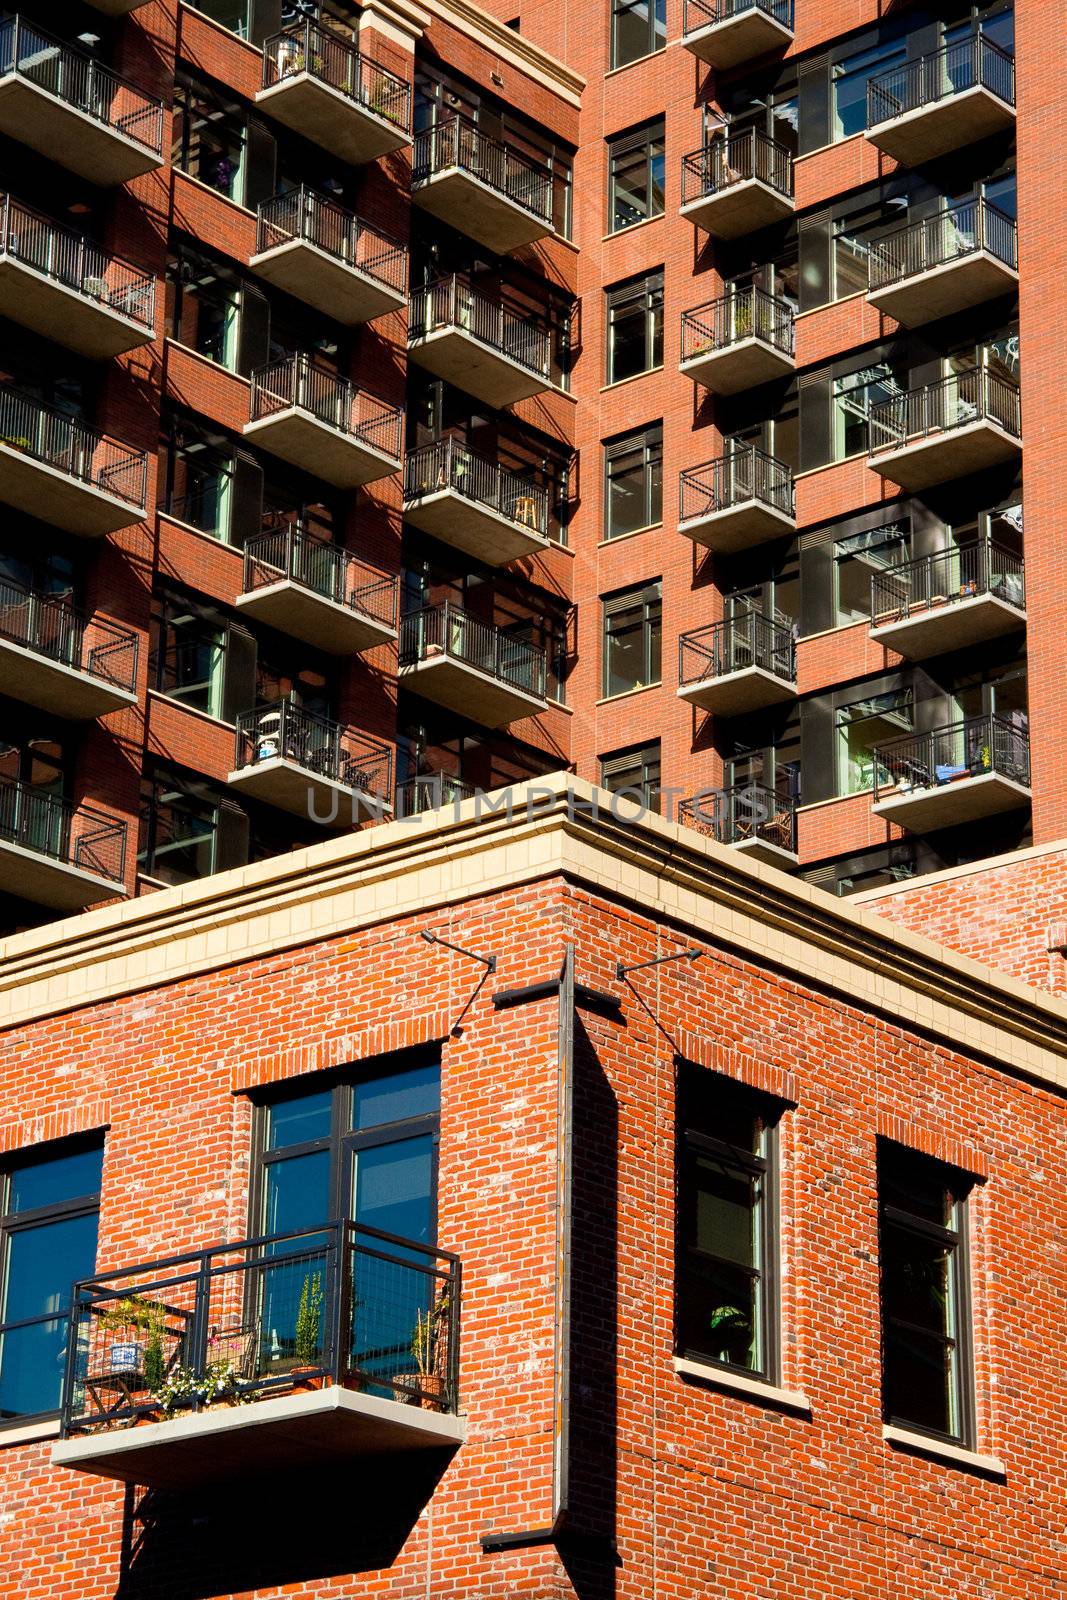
(751, 819)
(963, 255)
(488, 189)
(737, 183)
(489, 349)
(743, 338)
(727, 33)
(329, 258)
(317, 592)
(55, 467)
(311, 766)
(304, 412)
(940, 102)
(63, 660)
(953, 600)
(962, 424)
(474, 504)
(470, 666)
(322, 86)
(740, 499)
(962, 772)
(746, 663)
(57, 854)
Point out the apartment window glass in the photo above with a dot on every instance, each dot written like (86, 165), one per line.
(633, 482)
(188, 656)
(178, 831)
(862, 728)
(635, 177)
(851, 240)
(637, 771)
(635, 327)
(200, 473)
(850, 79)
(638, 28)
(209, 139)
(206, 306)
(232, 14)
(633, 630)
(49, 1207)
(858, 558)
(853, 396)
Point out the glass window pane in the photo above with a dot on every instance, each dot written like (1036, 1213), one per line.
(42, 1263)
(392, 1188)
(298, 1193)
(47, 1183)
(720, 1315)
(631, 38)
(299, 1121)
(916, 1278)
(726, 1211)
(920, 1380)
(415, 1092)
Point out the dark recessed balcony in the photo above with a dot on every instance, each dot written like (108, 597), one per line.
(737, 341)
(317, 592)
(492, 352)
(959, 257)
(725, 33)
(740, 499)
(56, 658)
(66, 106)
(117, 8)
(470, 666)
(475, 183)
(316, 1349)
(473, 504)
(749, 818)
(954, 97)
(322, 86)
(950, 601)
(58, 854)
(963, 424)
(430, 791)
(959, 773)
(743, 664)
(310, 766)
(330, 259)
(737, 183)
(308, 415)
(55, 468)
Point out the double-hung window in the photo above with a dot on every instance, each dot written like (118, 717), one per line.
(636, 170)
(633, 635)
(638, 28)
(635, 772)
(633, 482)
(635, 327)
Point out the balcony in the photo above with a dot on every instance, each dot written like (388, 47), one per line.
(310, 766)
(960, 773)
(738, 500)
(320, 85)
(317, 592)
(483, 348)
(959, 257)
(487, 190)
(308, 415)
(963, 424)
(66, 106)
(328, 258)
(302, 1350)
(473, 504)
(57, 469)
(738, 341)
(951, 601)
(749, 818)
(53, 657)
(954, 97)
(57, 854)
(471, 667)
(738, 183)
(726, 33)
(430, 791)
(743, 664)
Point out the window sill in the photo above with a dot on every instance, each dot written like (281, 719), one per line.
(621, 538)
(835, 144)
(613, 72)
(828, 305)
(199, 183)
(190, 527)
(828, 466)
(191, 711)
(207, 361)
(255, 50)
(955, 1454)
(628, 694)
(631, 227)
(751, 1388)
(620, 383)
(29, 1432)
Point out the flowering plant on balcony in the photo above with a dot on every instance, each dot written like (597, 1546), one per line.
(181, 1387)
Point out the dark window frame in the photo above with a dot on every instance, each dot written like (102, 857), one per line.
(642, 295)
(643, 604)
(622, 145)
(644, 756)
(657, 30)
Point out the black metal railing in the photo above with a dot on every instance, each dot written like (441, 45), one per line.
(80, 81)
(324, 569)
(934, 583)
(741, 813)
(446, 630)
(306, 48)
(734, 158)
(698, 14)
(972, 748)
(68, 446)
(743, 473)
(70, 259)
(299, 382)
(949, 235)
(744, 313)
(50, 626)
(74, 835)
(968, 64)
(237, 1323)
(430, 791)
(974, 395)
(302, 214)
(456, 141)
(448, 464)
(278, 730)
(747, 640)
(453, 303)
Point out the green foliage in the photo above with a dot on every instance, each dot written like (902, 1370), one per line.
(309, 1321)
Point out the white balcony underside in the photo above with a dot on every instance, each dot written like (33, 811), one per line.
(482, 213)
(329, 118)
(325, 801)
(943, 290)
(55, 884)
(954, 624)
(334, 287)
(343, 459)
(470, 692)
(472, 527)
(54, 496)
(302, 614)
(490, 375)
(742, 207)
(738, 527)
(956, 453)
(966, 799)
(732, 693)
(103, 155)
(739, 38)
(38, 680)
(738, 366)
(73, 318)
(942, 125)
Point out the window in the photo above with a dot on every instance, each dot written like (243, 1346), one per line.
(179, 830)
(232, 14)
(926, 1355)
(633, 628)
(638, 28)
(49, 1207)
(635, 327)
(862, 727)
(633, 482)
(206, 301)
(210, 139)
(850, 79)
(637, 771)
(851, 240)
(853, 396)
(188, 652)
(858, 558)
(200, 473)
(727, 1225)
(635, 177)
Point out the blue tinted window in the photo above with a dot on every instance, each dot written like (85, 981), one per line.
(415, 1092)
(301, 1120)
(393, 1188)
(48, 1183)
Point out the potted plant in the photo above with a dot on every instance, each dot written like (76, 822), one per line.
(131, 1315)
(731, 1330)
(426, 1385)
(308, 1341)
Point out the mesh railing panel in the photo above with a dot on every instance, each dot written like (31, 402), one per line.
(437, 630)
(49, 626)
(322, 568)
(310, 217)
(968, 64)
(937, 582)
(735, 158)
(68, 446)
(299, 382)
(974, 395)
(747, 313)
(697, 14)
(745, 641)
(281, 731)
(950, 235)
(75, 262)
(743, 474)
(74, 835)
(455, 141)
(741, 813)
(448, 464)
(972, 748)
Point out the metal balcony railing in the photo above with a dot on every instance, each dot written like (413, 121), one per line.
(934, 583)
(972, 748)
(341, 1303)
(429, 791)
(80, 81)
(744, 812)
(456, 141)
(975, 395)
(70, 259)
(73, 835)
(744, 313)
(748, 640)
(323, 569)
(299, 382)
(336, 62)
(67, 445)
(448, 464)
(743, 473)
(949, 235)
(970, 63)
(452, 303)
(51, 627)
(302, 214)
(278, 730)
(446, 630)
(697, 14)
(734, 158)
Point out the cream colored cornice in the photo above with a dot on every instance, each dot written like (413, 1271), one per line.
(511, 47)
